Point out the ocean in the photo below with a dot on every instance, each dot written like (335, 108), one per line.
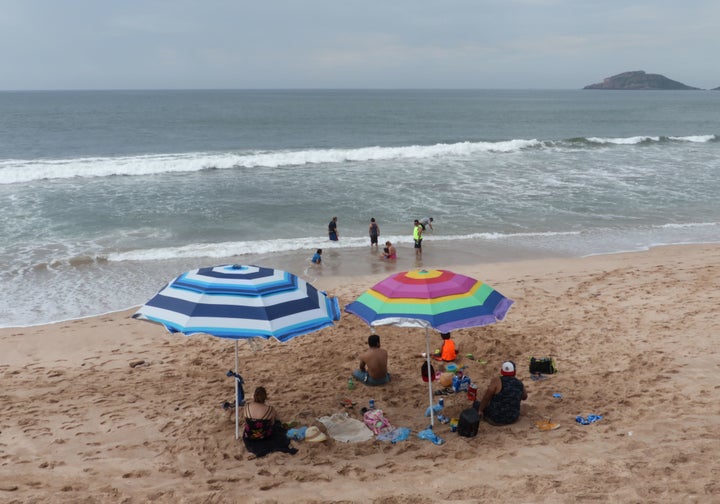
(108, 195)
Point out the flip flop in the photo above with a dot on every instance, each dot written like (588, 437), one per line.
(587, 421)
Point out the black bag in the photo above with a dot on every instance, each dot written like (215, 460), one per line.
(544, 365)
(468, 423)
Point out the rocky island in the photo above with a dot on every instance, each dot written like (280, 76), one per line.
(639, 80)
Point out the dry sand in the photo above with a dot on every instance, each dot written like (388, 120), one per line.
(635, 337)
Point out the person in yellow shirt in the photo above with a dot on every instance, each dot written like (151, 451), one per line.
(417, 237)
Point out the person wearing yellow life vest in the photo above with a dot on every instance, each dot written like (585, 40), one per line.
(417, 236)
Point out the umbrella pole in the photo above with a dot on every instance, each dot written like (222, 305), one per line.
(237, 406)
(430, 376)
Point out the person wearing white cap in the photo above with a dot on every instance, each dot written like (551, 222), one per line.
(500, 405)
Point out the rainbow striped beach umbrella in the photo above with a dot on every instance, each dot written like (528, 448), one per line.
(437, 299)
(241, 302)
(433, 299)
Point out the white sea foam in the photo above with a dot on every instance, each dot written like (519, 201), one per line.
(640, 139)
(690, 225)
(15, 171)
(694, 138)
(230, 249)
(623, 141)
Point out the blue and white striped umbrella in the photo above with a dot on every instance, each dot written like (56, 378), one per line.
(241, 302)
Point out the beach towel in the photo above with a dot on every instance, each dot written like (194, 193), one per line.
(341, 427)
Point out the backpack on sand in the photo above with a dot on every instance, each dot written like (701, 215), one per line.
(468, 423)
(544, 365)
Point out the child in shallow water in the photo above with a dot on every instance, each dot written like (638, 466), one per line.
(389, 251)
(317, 257)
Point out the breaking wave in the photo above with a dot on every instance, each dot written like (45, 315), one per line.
(15, 171)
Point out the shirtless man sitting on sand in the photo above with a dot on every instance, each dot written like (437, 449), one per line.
(373, 364)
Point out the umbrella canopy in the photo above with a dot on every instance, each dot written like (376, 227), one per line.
(433, 299)
(241, 302)
(437, 299)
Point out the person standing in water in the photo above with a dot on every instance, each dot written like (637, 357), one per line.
(333, 233)
(374, 231)
(417, 237)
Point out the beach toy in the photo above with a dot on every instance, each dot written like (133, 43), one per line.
(451, 368)
(472, 358)
(446, 379)
(454, 424)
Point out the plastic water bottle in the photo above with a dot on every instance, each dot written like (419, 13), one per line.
(372, 403)
(351, 384)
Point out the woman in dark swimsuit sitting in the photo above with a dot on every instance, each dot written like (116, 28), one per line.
(263, 433)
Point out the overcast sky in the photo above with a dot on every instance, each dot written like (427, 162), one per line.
(487, 44)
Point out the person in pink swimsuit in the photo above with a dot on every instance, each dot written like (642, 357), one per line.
(389, 252)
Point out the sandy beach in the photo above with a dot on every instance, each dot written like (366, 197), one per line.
(112, 409)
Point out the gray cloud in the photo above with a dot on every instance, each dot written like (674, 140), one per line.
(76, 44)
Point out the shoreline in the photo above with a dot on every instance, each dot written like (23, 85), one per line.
(634, 336)
(353, 264)
(108, 286)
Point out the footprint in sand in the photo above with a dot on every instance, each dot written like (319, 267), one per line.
(136, 474)
(270, 486)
